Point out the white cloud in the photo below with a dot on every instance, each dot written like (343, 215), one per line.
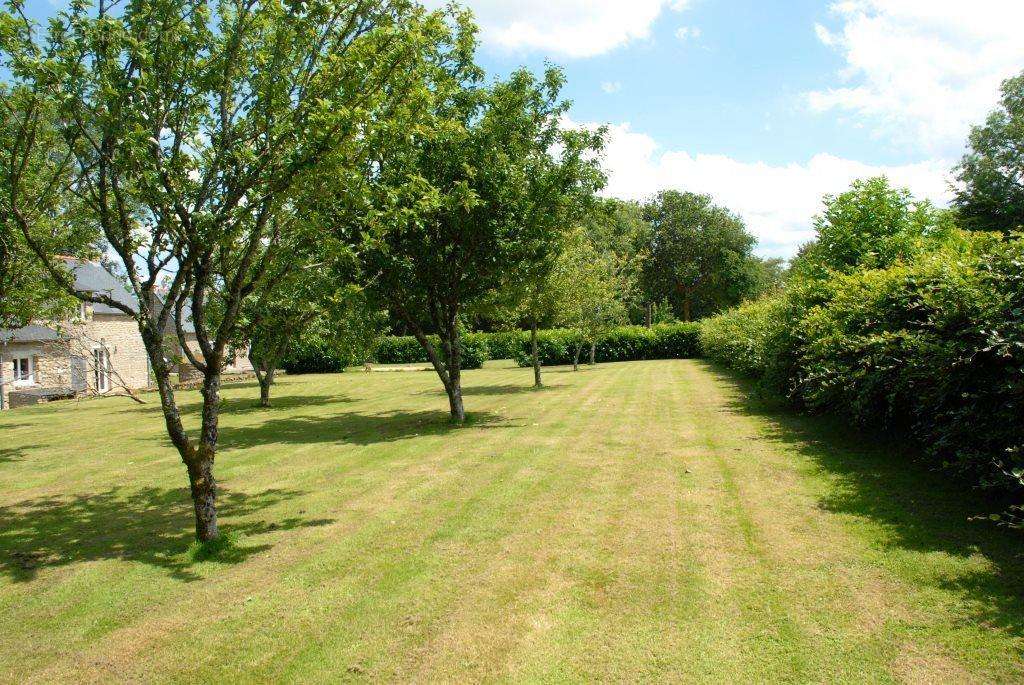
(777, 202)
(922, 71)
(574, 28)
(611, 87)
(687, 32)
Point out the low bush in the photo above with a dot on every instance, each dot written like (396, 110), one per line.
(504, 344)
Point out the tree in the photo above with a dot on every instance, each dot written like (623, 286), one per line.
(697, 251)
(990, 194)
(458, 203)
(313, 295)
(591, 288)
(27, 293)
(181, 128)
(616, 228)
(560, 191)
(871, 225)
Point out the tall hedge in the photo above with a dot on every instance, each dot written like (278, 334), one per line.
(931, 348)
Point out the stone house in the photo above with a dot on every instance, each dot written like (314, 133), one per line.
(97, 350)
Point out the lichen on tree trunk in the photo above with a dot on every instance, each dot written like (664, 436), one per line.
(204, 495)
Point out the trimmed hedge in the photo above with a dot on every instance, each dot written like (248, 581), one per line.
(407, 350)
(625, 343)
(315, 356)
(504, 344)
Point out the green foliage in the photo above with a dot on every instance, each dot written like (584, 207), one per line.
(502, 345)
(697, 255)
(934, 348)
(746, 338)
(314, 354)
(990, 193)
(871, 225)
(407, 350)
(931, 348)
(625, 343)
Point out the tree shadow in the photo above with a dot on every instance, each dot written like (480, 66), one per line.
(153, 526)
(9, 454)
(250, 405)
(920, 509)
(353, 428)
(489, 390)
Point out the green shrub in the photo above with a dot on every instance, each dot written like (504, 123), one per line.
(746, 338)
(625, 343)
(504, 344)
(316, 356)
(407, 350)
(931, 349)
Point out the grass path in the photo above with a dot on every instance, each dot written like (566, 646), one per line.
(643, 521)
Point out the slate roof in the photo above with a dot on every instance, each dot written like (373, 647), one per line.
(30, 333)
(90, 277)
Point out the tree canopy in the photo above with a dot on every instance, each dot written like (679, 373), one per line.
(990, 194)
(871, 225)
(469, 201)
(696, 254)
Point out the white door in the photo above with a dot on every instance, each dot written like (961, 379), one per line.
(101, 369)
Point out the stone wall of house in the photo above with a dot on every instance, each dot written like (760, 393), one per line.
(120, 336)
(51, 362)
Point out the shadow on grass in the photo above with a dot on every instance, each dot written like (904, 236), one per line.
(489, 390)
(919, 509)
(249, 405)
(153, 526)
(9, 454)
(359, 429)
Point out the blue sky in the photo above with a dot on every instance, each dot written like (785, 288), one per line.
(768, 105)
(765, 105)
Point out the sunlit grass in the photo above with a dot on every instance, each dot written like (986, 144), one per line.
(640, 521)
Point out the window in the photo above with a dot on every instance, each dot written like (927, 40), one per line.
(24, 371)
(101, 369)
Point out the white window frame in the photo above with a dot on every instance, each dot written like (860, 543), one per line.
(101, 369)
(20, 377)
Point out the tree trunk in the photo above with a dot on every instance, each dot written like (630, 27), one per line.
(576, 357)
(198, 462)
(453, 346)
(455, 405)
(687, 300)
(593, 352)
(534, 356)
(649, 315)
(204, 495)
(266, 380)
(264, 367)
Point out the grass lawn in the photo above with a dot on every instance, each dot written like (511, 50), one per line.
(641, 521)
